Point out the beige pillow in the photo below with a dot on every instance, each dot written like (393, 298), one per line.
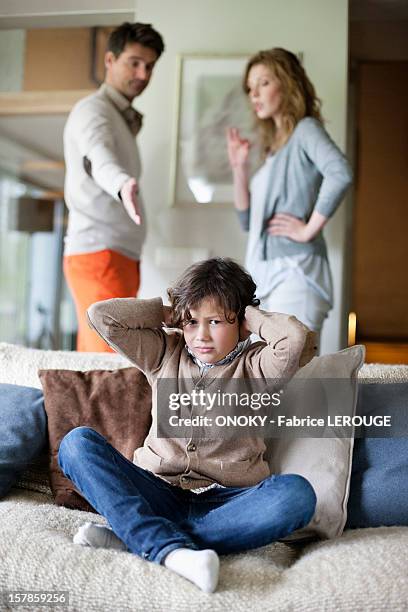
(325, 462)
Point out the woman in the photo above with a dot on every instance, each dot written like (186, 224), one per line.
(292, 196)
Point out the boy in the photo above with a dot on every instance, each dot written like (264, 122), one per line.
(184, 500)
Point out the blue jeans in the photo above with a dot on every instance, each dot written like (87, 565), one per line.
(153, 517)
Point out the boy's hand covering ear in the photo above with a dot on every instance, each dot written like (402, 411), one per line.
(309, 349)
(167, 316)
(244, 331)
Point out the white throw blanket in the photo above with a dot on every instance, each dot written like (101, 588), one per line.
(363, 570)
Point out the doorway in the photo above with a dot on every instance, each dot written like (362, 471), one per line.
(380, 245)
(377, 289)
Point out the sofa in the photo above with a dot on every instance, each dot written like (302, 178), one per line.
(363, 569)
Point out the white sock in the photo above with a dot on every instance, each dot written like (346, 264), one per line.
(199, 566)
(98, 536)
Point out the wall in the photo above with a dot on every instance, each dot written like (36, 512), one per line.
(319, 29)
(11, 59)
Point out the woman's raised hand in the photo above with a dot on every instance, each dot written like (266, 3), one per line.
(238, 148)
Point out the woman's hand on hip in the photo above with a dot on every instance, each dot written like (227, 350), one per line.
(283, 224)
(238, 149)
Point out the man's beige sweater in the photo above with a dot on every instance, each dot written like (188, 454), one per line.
(101, 154)
(134, 328)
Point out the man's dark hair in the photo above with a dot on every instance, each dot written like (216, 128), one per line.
(221, 279)
(141, 33)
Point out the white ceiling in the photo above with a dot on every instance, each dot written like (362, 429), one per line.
(64, 13)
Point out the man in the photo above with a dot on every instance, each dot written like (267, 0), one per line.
(107, 225)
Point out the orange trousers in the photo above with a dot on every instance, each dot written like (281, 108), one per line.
(92, 277)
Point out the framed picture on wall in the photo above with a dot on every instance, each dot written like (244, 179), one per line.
(210, 99)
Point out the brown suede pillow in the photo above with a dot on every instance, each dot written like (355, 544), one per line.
(117, 404)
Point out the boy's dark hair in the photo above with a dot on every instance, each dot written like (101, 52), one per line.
(141, 33)
(219, 278)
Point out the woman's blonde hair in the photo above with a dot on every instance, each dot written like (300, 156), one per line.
(299, 98)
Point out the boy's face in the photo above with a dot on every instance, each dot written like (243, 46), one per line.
(208, 334)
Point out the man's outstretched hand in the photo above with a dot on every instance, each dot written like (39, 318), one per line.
(128, 193)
